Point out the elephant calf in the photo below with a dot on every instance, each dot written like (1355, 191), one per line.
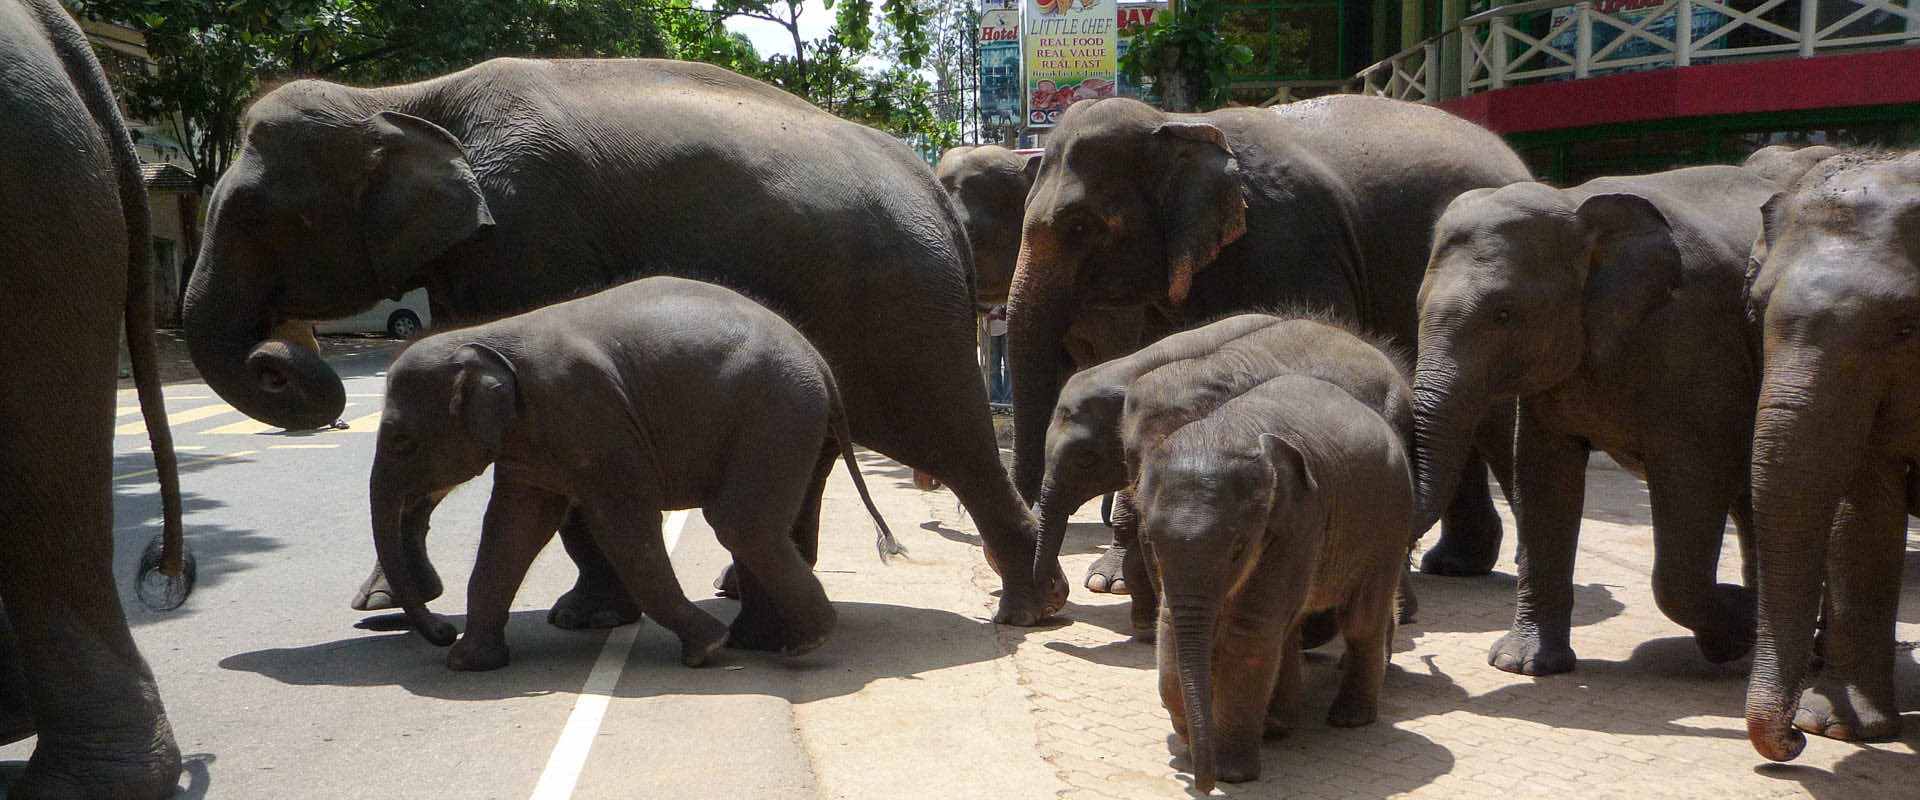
(658, 394)
(1291, 498)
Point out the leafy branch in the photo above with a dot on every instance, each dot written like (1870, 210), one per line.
(1182, 49)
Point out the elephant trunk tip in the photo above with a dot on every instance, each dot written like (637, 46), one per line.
(438, 631)
(1774, 739)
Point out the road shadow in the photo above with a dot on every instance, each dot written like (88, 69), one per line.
(1485, 604)
(871, 642)
(218, 551)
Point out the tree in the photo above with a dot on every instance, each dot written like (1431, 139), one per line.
(1191, 63)
(212, 56)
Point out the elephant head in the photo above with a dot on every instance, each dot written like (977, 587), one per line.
(330, 206)
(1838, 301)
(448, 408)
(1206, 518)
(1127, 204)
(1084, 458)
(1523, 284)
(989, 186)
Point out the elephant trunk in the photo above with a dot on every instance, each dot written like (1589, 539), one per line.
(1194, 619)
(1809, 439)
(1038, 314)
(1056, 504)
(1444, 425)
(399, 538)
(227, 319)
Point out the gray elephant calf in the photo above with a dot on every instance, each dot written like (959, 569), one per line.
(661, 393)
(1290, 498)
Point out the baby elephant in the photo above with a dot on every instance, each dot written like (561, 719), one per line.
(659, 394)
(1291, 498)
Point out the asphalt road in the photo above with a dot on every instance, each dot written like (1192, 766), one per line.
(274, 693)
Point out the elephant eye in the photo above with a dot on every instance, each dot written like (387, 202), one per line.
(1502, 317)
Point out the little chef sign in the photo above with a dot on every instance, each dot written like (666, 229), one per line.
(1069, 55)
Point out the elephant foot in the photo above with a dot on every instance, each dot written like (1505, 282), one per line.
(1734, 639)
(727, 584)
(467, 655)
(1025, 608)
(1453, 558)
(1318, 628)
(1525, 655)
(1237, 764)
(1352, 713)
(1107, 574)
(55, 772)
(1837, 710)
(699, 642)
(766, 632)
(1406, 605)
(582, 609)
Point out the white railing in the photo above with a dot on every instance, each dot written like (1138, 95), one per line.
(1557, 40)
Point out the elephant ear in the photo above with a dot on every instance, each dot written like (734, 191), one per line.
(1285, 458)
(486, 394)
(1031, 169)
(1633, 265)
(1201, 207)
(1758, 289)
(421, 196)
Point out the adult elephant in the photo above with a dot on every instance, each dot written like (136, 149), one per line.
(1613, 312)
(1325, 203)
(518, 183)
(989, 185)
(74, 252)
(1835, 439)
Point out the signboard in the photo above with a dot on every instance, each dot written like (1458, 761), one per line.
(1133, 15)
(1069, 53)
(1000, 64)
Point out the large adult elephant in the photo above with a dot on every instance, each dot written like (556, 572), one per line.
(518, 183)
(989, 185)
(1613, 312)
(1325, 203)
(1835, 439)
(74, 253)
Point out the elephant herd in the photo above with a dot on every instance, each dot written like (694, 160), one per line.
(1282, 460)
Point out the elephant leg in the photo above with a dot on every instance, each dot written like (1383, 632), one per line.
(1290, 680)
(626, 527)
(1853, 697)
(520, 521)
(597, 599)
(806, 527)
(1470, 531)
(1689, 509)
(1107, 574)
(1143, 593)
(1367, 625)
(783, 607)
(1549, 490)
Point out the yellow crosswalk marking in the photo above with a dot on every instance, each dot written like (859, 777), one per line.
(245, 426)
(176, 420)
(122, 411)
(303, 447)
(366, 424)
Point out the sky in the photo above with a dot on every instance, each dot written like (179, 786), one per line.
(770, 39)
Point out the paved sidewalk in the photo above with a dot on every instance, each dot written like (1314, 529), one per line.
(1642, 716)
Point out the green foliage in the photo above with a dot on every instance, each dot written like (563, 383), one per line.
(1185, 40)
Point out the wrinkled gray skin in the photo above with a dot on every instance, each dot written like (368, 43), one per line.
(70, 272)
(1292, 498)
(1614, 312)
(1084, 458)
(989, 186)
(1325, 204)
(1179, 392)
(519, 183)
(605, 403)
(1836, 436)
(1784, 164)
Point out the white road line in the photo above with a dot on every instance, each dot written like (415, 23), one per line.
(570, 754)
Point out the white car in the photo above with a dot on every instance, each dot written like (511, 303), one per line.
(401, 319)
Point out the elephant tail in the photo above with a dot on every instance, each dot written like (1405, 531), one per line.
(883, 539)
(84, 73)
